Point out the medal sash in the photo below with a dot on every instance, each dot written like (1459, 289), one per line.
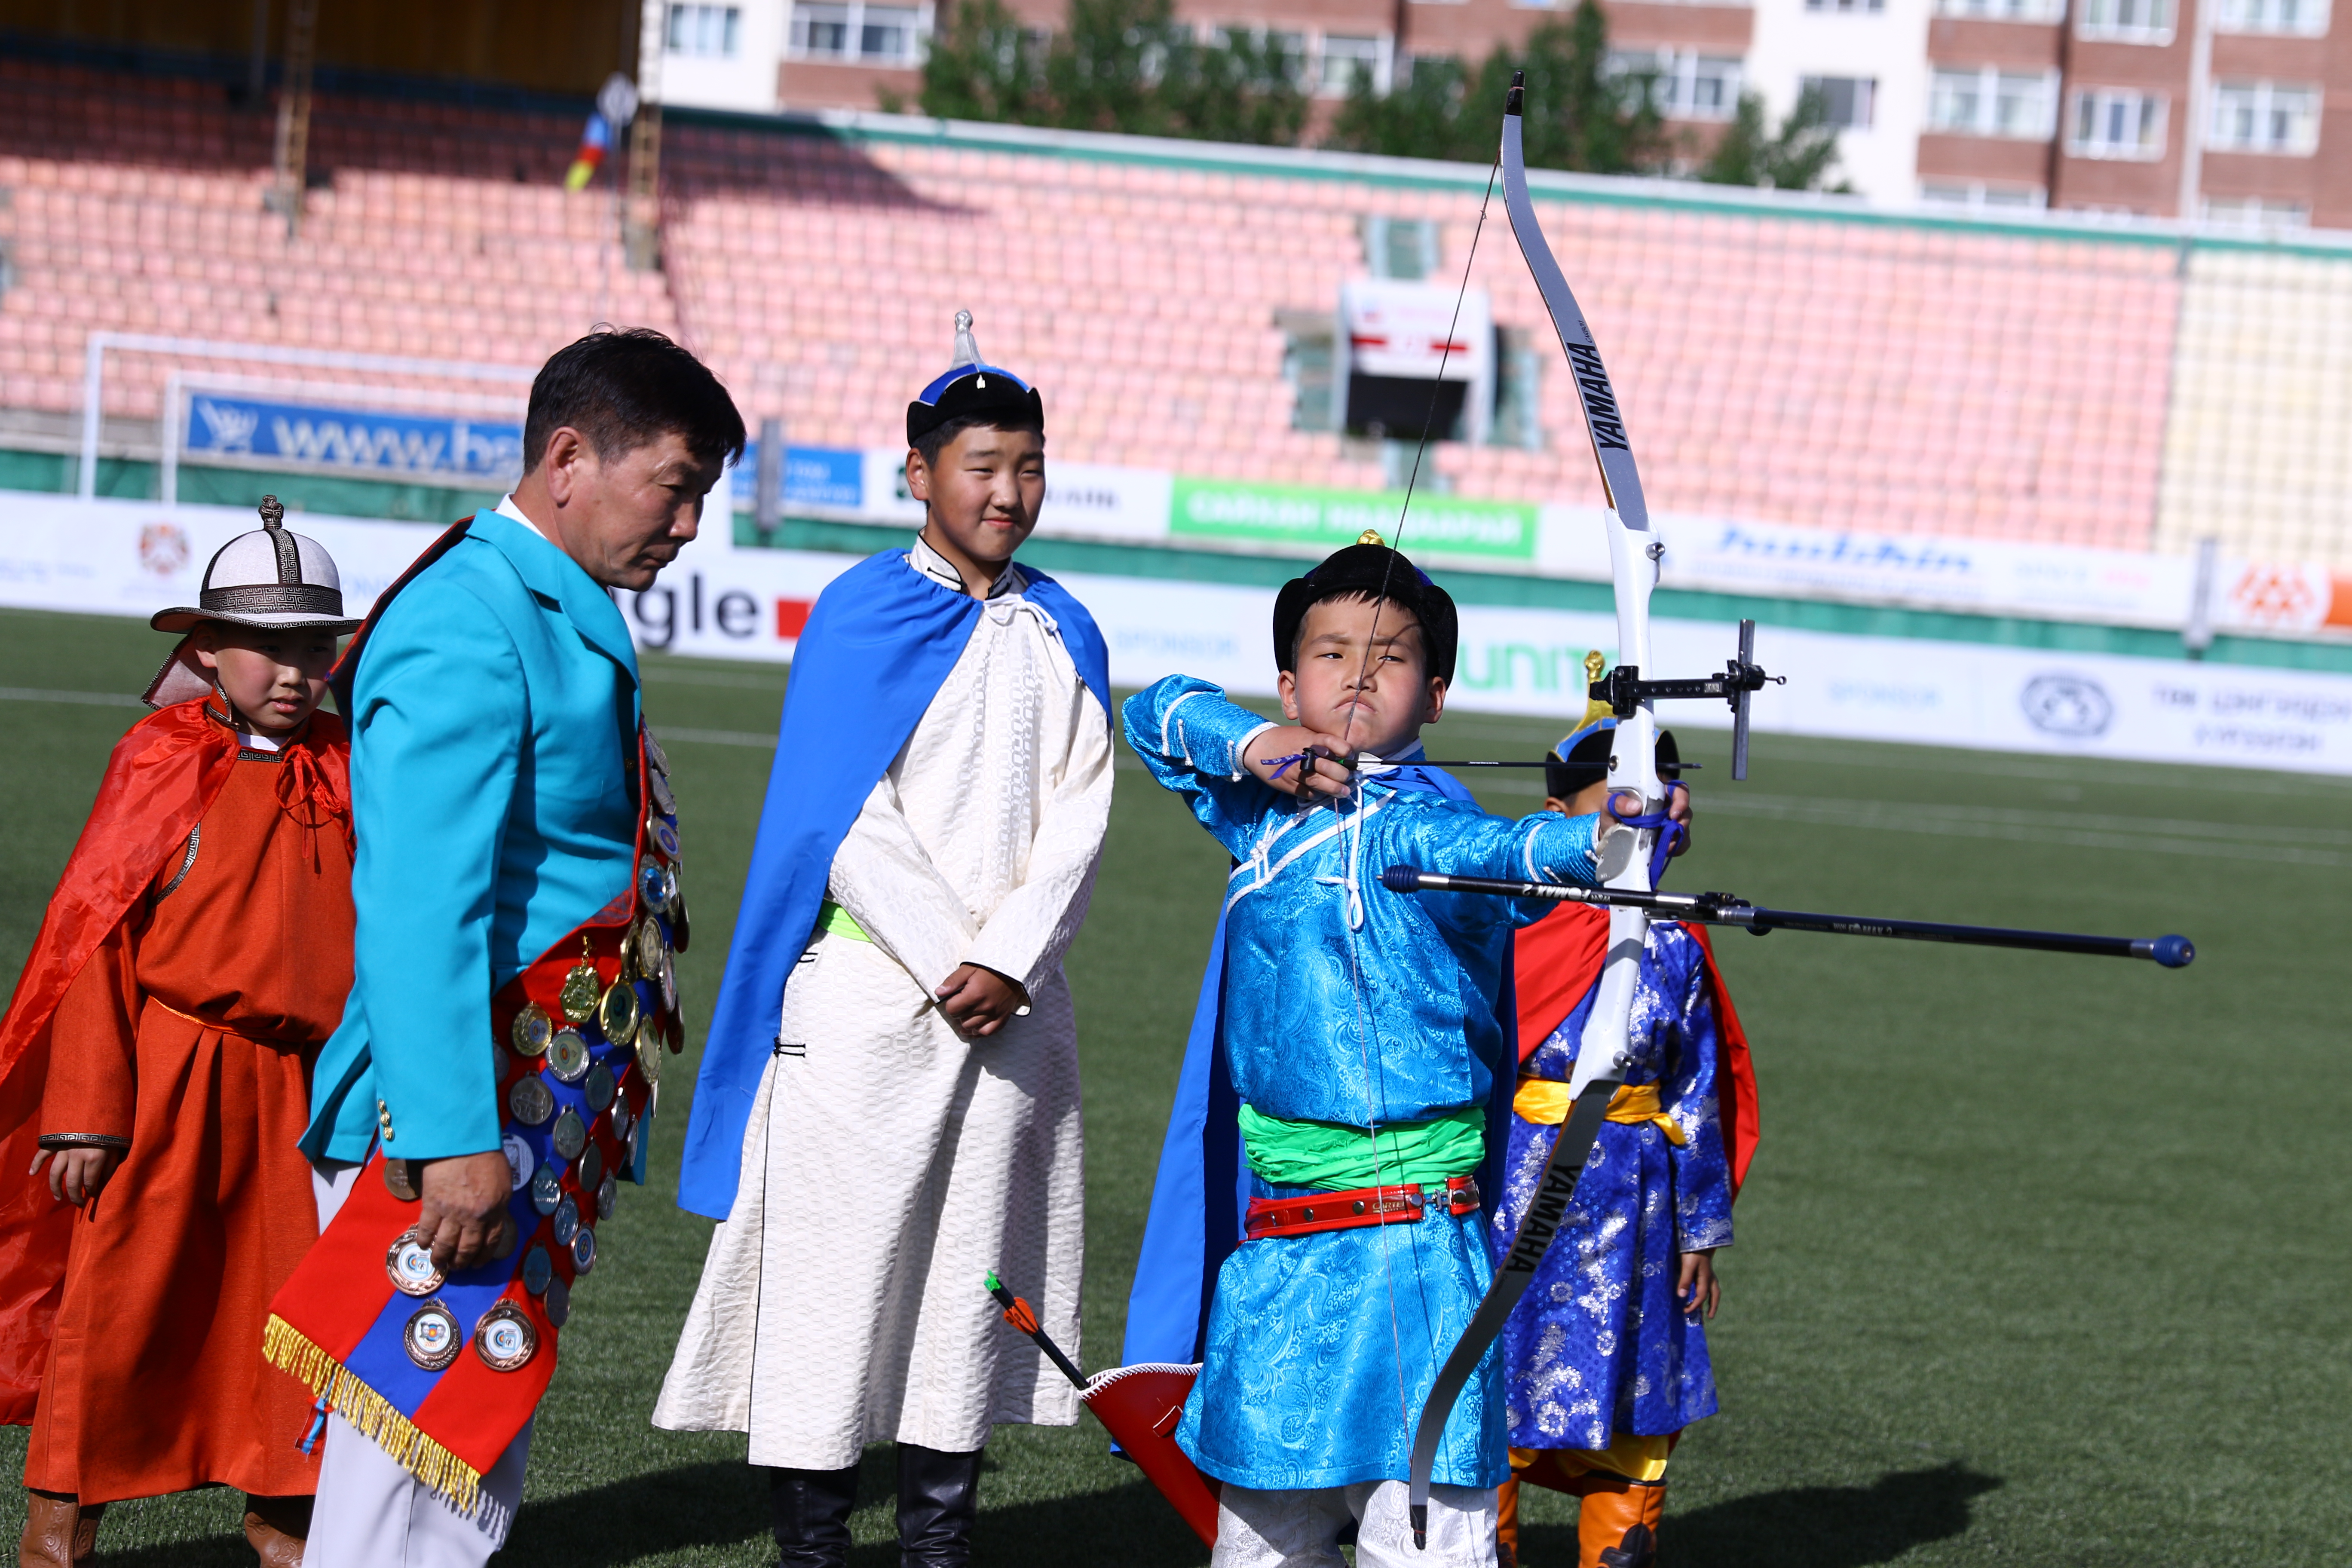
(443, 1373)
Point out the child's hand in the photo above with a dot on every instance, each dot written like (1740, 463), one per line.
(1678, 810)
(77, 1176)
(1315, 778)
(977, 1001)
(1698, 1287)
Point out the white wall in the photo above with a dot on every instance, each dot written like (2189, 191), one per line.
(745, 81)
(1888, 46)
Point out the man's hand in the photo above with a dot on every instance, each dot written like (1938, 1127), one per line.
(1314, 779)
(1678, 810)
(465, 1222)
(77, 1176)
(977, 1001)
(1698, 1287)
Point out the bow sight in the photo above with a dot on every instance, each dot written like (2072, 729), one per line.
(1625, 690)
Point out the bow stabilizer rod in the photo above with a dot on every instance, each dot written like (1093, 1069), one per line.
(1727, 909)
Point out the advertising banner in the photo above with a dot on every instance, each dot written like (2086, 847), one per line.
(1314, 522)
(418, 446)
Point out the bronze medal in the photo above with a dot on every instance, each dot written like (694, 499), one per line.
(431, 1337)
(409, 1263)
(400, 1180)
(584, 1250)
(567, 1221)
(531, 1030)
(591, 1169)
(618, 1014)
(531, 1101)
(600, 1089)
(538, 1268)
(608, 1194)
(504, 1338)
(559, 1302)
(546, 1189)
(571, 1134)
(567, 1056)
(581, 987)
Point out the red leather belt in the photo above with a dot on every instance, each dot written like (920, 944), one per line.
(1354, 1207)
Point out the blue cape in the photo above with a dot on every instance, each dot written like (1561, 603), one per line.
(881, 639)
(1202, 1189)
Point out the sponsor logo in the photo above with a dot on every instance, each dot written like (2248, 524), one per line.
(2072, 706)
(1600, 402)
(163, 548)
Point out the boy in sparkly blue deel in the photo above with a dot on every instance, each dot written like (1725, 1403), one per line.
(1354, 1038)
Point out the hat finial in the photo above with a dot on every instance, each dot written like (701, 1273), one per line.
(1371, 536)
(967, 348)
(273, 512)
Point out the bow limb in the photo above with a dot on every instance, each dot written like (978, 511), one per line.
(1623, 851)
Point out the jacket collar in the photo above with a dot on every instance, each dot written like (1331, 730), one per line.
(551, 574)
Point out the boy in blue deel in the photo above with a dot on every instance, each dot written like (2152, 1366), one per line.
(1355, 1038)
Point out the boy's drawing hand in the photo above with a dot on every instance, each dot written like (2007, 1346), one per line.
(977, 1001)
(465, 1220)
(1316, 778)
(77, 1176)
(1698, 1287)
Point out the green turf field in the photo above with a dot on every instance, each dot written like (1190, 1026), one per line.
(2042, 1260)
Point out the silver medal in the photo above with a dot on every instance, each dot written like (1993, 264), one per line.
(583, 1251)
(558, 1302)
(600, 1088)
(665, 837)
(658, 781)
(567, 1056)
(532, 1100)
(520, 1161)
(567, 1221)
(571, 1134)
(591, 1168)
(608, 1194)
(546, 1189)
(654, 753)
(538, 1268)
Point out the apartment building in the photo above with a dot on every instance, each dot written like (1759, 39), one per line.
(2211, 110)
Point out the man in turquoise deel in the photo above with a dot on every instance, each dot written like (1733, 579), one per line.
(494, 749)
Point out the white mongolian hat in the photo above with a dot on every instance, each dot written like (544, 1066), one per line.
(268, 578)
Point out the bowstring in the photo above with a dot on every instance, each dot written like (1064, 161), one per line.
(1374, 1097)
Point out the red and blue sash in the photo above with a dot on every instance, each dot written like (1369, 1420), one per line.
(443, 1373)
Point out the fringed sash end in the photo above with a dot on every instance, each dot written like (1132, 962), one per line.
(376, 1418)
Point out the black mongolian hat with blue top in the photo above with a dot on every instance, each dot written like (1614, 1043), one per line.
(971, 388)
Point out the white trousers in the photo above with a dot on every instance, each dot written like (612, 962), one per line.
(371, 1513)
(1299, 1529)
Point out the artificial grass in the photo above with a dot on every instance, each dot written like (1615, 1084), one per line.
(2041, 1259)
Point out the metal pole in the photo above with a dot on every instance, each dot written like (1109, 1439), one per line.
(294, 111)
(93, 384)
(170, 489)
(768, 490)
(641, 229)
(2197, 635)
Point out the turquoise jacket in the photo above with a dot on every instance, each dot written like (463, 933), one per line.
(493, 721)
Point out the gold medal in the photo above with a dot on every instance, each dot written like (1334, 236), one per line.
(618, 1014)
(649, 1058)
(581, 987)
(647, 949)
(531, 1028)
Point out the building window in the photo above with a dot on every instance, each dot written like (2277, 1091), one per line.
(2264, 117)
(1975, 196)
(865, 35)
(1847, 5)
(2255, 212)
(2306, 18)
(1848, 100)
(1520, 362)
(1309, 351)
(1994, 102)
(2118, 122)
(2127, 21)
(1683, 83)
(2003, 10)
(1402, 248)
(714, 31)
(1348, 62)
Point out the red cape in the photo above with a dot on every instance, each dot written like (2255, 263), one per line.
(1557, 959)
(162, 778)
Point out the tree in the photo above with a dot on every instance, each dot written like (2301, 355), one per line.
(1582, 114)
(1798, 157)
(1125, 66)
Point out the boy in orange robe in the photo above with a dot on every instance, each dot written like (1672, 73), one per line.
(156, 1061)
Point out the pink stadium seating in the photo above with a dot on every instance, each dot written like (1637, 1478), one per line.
(1776, 367)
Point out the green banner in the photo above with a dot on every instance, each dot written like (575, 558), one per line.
(1316, 520)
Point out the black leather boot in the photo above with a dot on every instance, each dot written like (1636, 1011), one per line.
(810, 1509)
(939, 1498)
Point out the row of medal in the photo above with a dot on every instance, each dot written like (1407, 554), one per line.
(577, 1084)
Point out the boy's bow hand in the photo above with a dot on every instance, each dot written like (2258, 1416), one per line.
(77, 1176)
(1312, 778)
(1678, 810)
(977, 1001)
(1698, 1289)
